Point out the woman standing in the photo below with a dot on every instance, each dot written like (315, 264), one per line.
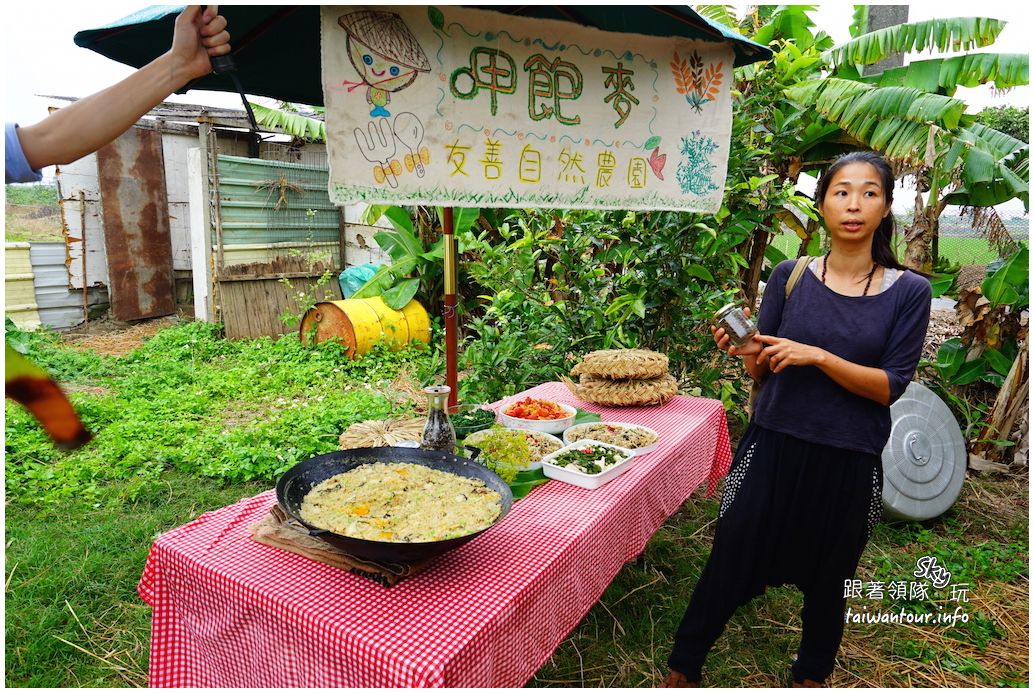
(804, 492)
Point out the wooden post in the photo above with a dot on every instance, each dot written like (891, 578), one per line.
(341, 239)
(201, 227)
(449, 308)
(86, 285)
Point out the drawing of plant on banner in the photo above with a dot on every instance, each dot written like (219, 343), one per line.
(694, 173)
(697, 83)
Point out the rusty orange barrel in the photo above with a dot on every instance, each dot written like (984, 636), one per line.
(359, 323)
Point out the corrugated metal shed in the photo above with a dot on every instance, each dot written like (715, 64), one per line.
(59, 306)
(265, 201)
(19, 296)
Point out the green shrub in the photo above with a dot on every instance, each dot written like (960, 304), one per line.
(555, 286)
(36, 194)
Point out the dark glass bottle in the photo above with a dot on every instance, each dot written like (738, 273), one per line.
(438, 431)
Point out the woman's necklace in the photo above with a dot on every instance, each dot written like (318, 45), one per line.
(825, 263)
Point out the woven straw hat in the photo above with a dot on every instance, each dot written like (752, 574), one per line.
(386, 34)
(622, 364)
(623, 393)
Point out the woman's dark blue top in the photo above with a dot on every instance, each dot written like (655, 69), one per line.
(885, 331)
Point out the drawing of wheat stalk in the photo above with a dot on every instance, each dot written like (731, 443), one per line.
(697, 84)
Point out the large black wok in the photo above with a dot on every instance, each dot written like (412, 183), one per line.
(299, 480)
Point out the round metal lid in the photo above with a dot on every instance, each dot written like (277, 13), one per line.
(924, 462)
(727, 306)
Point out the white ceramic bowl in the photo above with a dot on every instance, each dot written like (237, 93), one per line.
(579, 432)
(578, 478)
(553, 426)
(475, 437)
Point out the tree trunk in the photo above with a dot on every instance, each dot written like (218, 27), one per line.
(812, 228)
(881, 17)
(1006, 408)
(759, 241)
(919, 235)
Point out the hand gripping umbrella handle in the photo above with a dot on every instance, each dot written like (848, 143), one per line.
(224, 65)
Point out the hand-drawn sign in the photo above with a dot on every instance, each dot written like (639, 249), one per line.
(457, 106)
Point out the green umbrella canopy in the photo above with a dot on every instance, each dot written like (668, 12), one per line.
(277, 47)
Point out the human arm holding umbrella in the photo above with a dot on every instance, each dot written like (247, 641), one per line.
(94, 121)
(74, 132)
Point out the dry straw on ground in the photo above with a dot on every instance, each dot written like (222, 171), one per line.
(376, 433)
(113, 338)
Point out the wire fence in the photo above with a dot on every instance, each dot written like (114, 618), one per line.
(958, 242)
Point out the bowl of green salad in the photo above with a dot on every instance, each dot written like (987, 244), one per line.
(587, 463)
(470, 418)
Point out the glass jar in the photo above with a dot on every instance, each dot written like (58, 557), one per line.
(438, 431)
(736, 324)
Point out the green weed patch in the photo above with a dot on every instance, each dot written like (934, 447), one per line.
(192, 401)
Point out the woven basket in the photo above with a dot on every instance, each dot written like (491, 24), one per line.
(621, 364)
(376, 434)
(623, 393)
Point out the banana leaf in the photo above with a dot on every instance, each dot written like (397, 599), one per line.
(954, 34)
(945, 75)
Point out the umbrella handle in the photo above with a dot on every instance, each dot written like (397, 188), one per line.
(222, 64)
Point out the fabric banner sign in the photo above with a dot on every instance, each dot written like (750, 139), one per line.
(473, 108)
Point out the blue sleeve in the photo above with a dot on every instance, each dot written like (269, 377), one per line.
(907, 335)
(16, 168)
(771, 314)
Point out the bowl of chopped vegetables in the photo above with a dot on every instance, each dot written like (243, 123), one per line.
(587, 463)
(537, 415)
(639, 440)
(519, 448)
(470, 418)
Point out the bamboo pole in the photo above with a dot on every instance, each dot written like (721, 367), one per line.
(449, 307)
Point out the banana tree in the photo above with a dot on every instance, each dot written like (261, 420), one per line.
(909, 114)
(290, 120)
(417, 251)
(773, 139)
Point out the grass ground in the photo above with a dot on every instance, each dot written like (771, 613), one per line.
(73, 617)
(31, 213)
(32, 223)
(625, 639)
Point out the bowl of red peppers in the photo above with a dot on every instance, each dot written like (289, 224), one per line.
(532, 414)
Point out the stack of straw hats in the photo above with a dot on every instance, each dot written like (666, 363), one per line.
(623, 378)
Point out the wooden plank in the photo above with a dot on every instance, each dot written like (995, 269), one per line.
(262, 308)
(342, 238)
(269, 308)
(267, 277)
(234, 312)
(283, 303)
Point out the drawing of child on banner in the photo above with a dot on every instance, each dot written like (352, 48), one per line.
(385, 54)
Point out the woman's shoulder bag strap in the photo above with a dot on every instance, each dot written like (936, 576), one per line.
(796, 272)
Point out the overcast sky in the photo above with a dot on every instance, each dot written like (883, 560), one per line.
(41, 58)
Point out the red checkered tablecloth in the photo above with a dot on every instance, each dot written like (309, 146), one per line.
(230, 612)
